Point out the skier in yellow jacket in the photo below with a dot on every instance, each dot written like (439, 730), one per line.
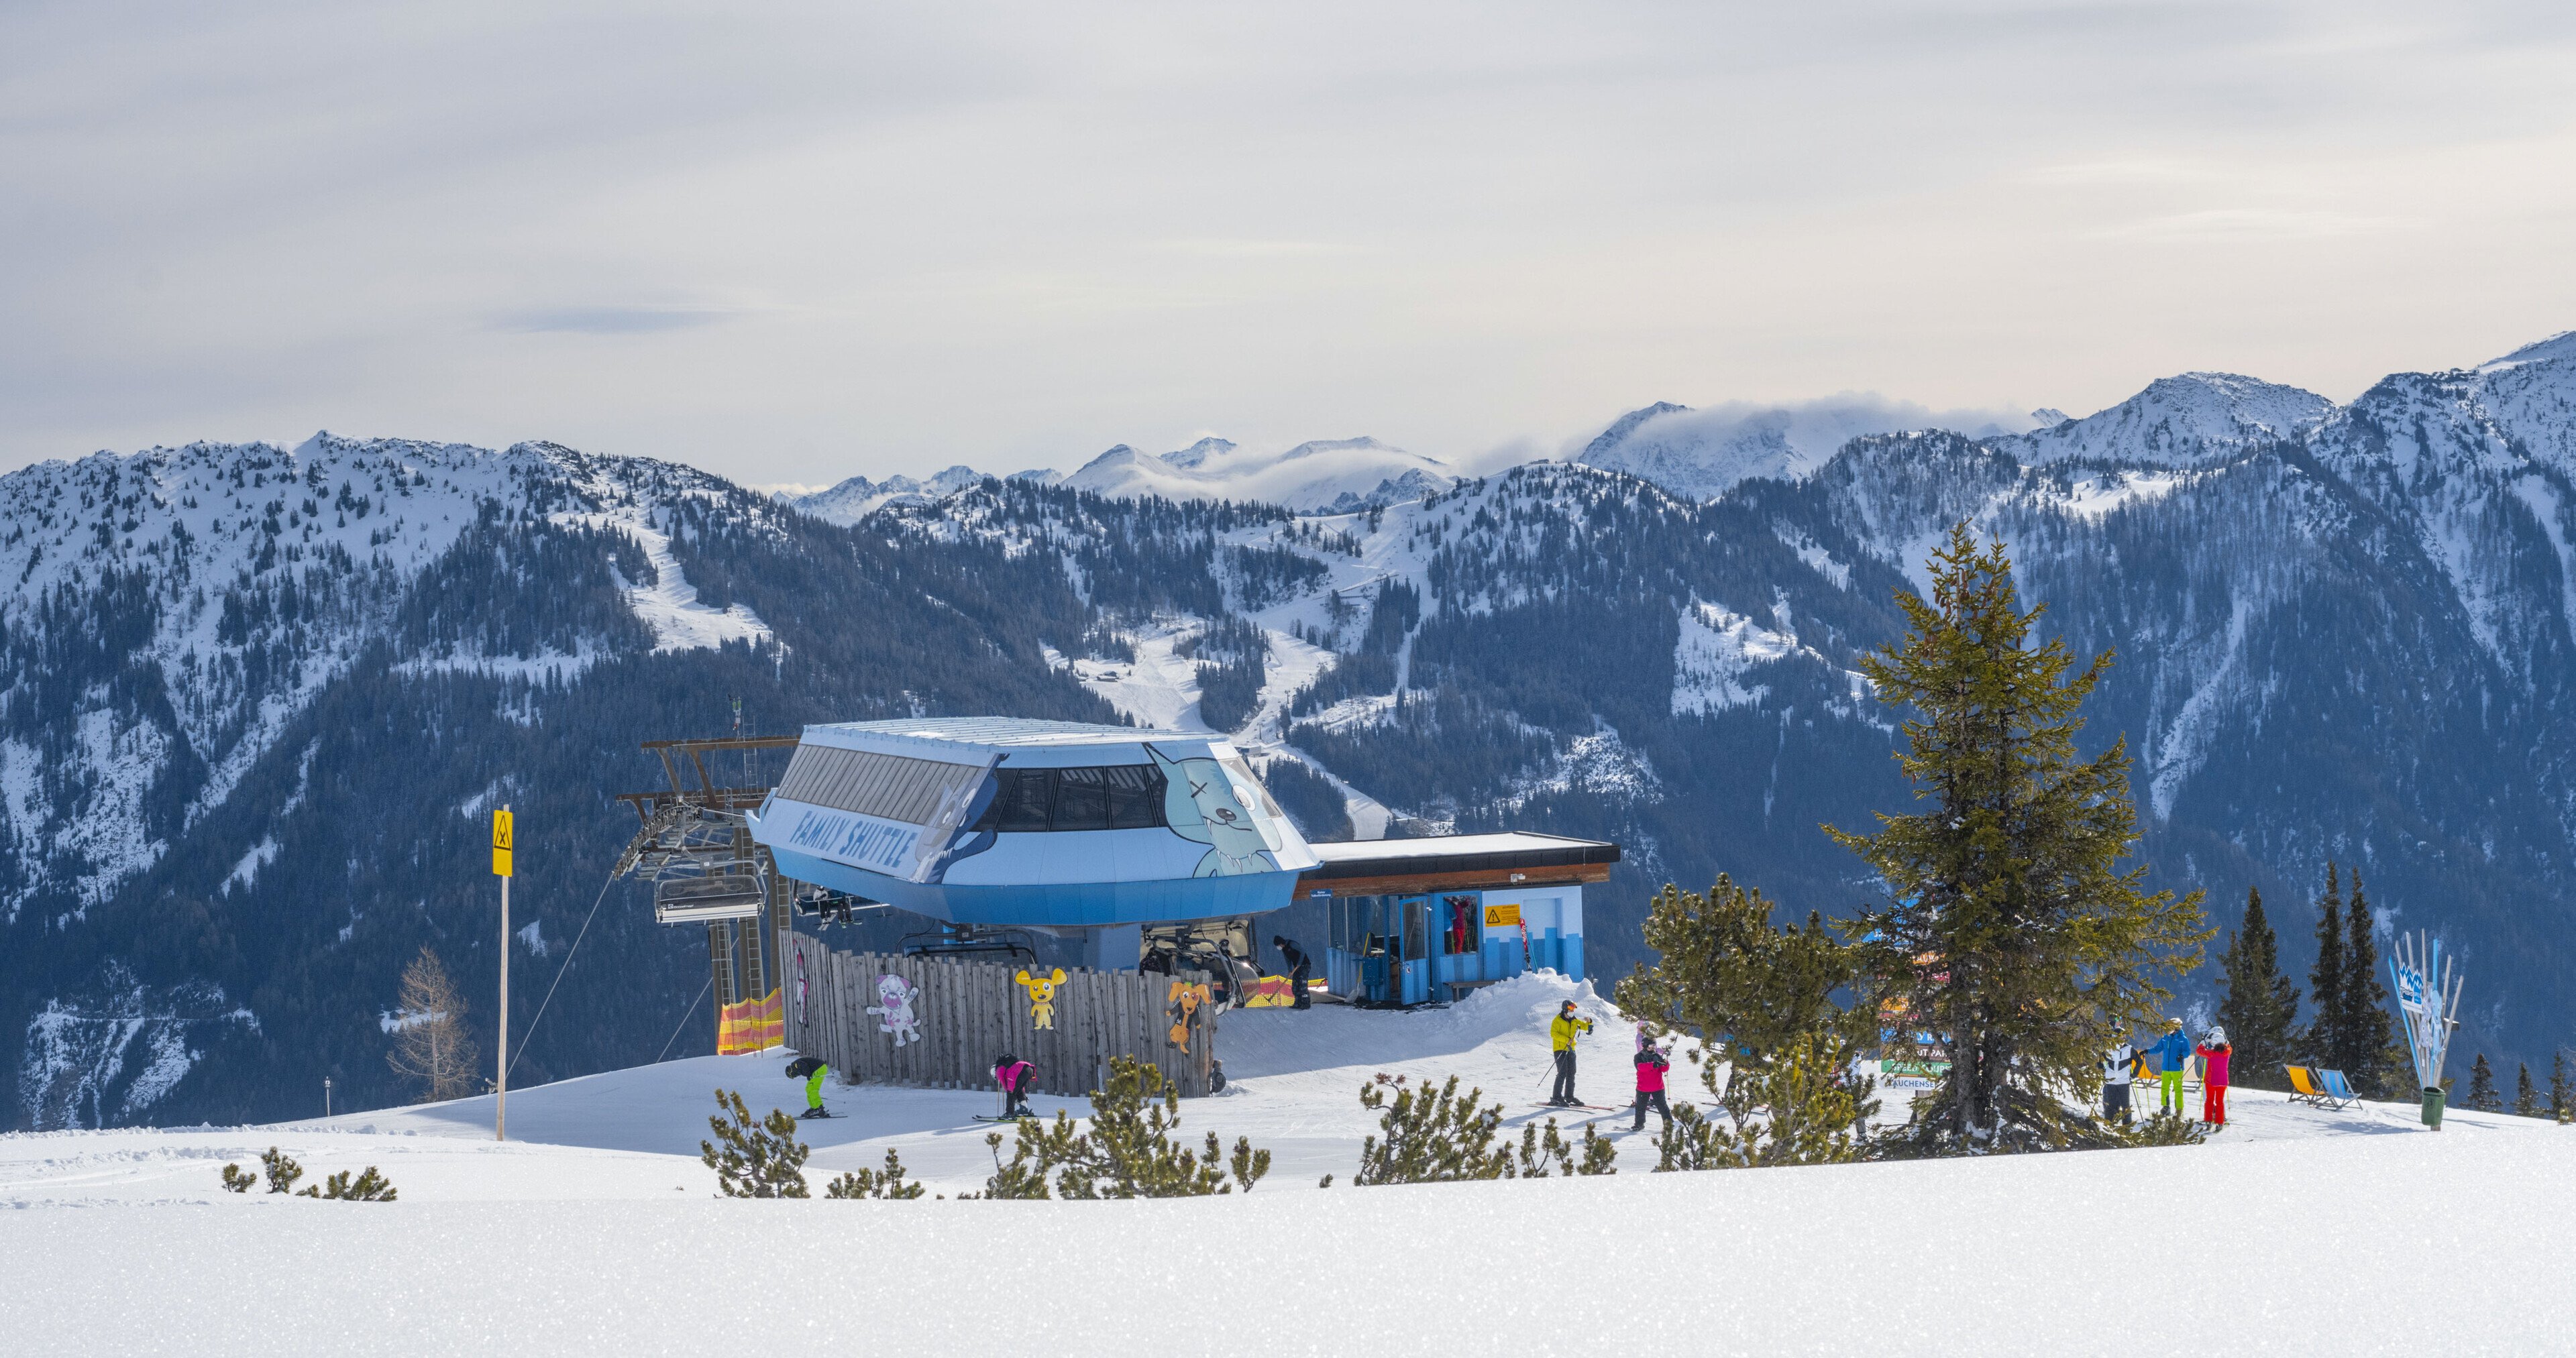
(1561, 1033)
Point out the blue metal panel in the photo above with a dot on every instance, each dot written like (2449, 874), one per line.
(1544, 950)
(1053, 904)
(1572, 964)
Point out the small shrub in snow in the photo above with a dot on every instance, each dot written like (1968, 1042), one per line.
(1128, 1152)
(1430, 1136)
(870, 1183)
(367, 1187)
(281, 1171)
(1539, 1150)
(1797, 1106)
(760, 1159)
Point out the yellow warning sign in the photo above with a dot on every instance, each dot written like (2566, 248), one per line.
(501, 836)
(1502, 916)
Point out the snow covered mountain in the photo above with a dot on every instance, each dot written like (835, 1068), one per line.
(2180, 422)
(251, 699)
(1332, 475)
(858, 497)
(1699, 454)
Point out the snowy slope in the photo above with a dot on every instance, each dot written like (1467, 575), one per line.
(262, 574)
(598, 1231)
(167, 617)
(1334, 475)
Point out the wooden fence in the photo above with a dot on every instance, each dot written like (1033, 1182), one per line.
(968, 1013)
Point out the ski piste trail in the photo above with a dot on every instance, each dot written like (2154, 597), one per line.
(596, 1227)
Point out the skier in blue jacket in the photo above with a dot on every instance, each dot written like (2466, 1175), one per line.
(2173, 1057)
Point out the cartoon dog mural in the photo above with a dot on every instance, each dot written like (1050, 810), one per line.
(1185, 997)
(1203, 804)
(1041, 995)
(894, 1009)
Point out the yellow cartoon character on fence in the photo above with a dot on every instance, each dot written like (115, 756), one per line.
(1041, 995)
(1185, 997)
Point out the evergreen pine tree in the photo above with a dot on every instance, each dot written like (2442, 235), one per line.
(870, 1183)
(2325, 980)
(2261, 1006)
(2368, 1035)
(2011, 928)
(2562, 1095)
(2526, 1100)
(758, 1158)
(1127, 1151)
(2482, 1090)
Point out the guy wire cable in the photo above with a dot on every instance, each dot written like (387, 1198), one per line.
(559, 975)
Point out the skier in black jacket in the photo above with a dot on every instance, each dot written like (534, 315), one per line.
(1299, 968)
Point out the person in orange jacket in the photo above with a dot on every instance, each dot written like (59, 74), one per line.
(2213, 1078)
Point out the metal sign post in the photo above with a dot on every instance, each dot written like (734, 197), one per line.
(502, 836)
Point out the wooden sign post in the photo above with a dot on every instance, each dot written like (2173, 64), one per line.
(502, 836)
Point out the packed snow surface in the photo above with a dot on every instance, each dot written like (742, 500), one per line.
(596, 1230)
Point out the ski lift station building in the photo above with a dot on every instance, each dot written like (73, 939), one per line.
(1108, 834)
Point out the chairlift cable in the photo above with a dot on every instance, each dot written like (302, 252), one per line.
(708, 985)
(559, 975)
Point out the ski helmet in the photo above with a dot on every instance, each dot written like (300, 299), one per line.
(2217, 1036)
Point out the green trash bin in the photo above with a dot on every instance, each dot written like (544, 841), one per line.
(2433, 1109)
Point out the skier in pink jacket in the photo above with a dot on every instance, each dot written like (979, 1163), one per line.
(1652, 1062)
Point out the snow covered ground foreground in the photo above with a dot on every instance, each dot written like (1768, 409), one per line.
(595, 1229)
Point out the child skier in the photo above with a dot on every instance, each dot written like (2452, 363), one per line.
(811, 1070)
(2115, 1081)
(2172, 1053)
(1014, 1076)
(1652, 1062)
(2213, 1078)
(1561, 1033)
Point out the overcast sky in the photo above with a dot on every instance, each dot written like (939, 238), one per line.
(790, 243)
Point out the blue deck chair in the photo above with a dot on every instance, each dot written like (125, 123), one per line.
(2338, 1088)
(2304, 1088)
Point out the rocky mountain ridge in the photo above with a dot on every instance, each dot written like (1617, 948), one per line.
(254, 698)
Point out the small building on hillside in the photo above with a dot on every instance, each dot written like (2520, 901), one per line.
(1411, 920)
(1094, 833)
(1155, 854)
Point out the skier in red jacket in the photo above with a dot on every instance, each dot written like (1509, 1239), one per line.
(2213, 1078)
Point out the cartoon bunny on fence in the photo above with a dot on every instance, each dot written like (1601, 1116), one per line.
(894, 1009)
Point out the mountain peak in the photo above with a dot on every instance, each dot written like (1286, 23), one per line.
(1625, 425)
(2558, 346)
(2180, 421)
(1196, 455)
(1320, 474)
